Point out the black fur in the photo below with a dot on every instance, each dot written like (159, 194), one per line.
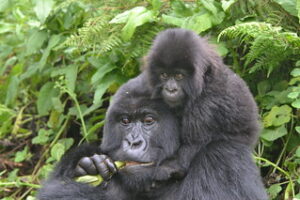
(219, 127)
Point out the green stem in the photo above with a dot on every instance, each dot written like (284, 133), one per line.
(279, 169)
(19, 184)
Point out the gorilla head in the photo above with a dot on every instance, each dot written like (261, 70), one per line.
(178, 63)
(140, 131)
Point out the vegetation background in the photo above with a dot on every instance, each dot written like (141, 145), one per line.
(61, 60)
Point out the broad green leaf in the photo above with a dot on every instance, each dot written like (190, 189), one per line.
(4, 4)
(54, 40)
(273, 134)
(22, 155)
(100, 90)
(209, 5)
(172, 20)
(12, 90)
(101, 72)
(263, 87)
(156, 4)
(295, 72)
(35, 41)
(274, 190)
(297, 128)
(42, 137)
(288, 5)
(227, 3)
(44, 102)
(296, 104)
(57, 151)
(136, 19)
(198, 23)
(293, 95)
(71, 76)
(278, 116)
(123, 17)
(43, 8)
(181, 9)
(67, 142)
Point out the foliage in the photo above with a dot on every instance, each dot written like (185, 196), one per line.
(62, 60)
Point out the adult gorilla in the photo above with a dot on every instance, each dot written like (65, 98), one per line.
(144, 133)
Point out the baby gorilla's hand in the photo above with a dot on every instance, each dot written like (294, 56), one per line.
(96, 164)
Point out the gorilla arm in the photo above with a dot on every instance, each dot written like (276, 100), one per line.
(61, 185)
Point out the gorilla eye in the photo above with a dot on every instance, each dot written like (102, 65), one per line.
(125, 121)
(179, 76)
(164, 76)
(148, 120)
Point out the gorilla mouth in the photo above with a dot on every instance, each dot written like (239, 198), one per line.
(134, 163)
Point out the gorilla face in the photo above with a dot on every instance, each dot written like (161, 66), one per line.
(136, 132)
(172, 86)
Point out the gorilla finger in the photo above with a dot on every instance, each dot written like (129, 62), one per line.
(88, 165)
(111, 165)
(101, 166)
(79, 171)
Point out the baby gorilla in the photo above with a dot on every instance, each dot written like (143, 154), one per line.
(140, 131)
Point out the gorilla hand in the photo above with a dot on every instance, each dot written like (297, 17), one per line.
(96, 164)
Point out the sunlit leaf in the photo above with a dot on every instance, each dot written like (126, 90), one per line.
(274, 190)
(44, 102)
(296, 104)
(43, 8)
(288, 5)
(273, 134)
(295, 72)
(227, 3)
(35, 41)
(278, 116)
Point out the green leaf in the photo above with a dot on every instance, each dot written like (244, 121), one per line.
(209, 5)
(12, 90)
(67, 142)
(43, 8)
(288, 5)
(227, 3)
(4, 4)
(181, 9)
(44, 102)
(297, 128)
(198, 23)
(42, 137)
(278, 116)
(172, 20)
(124, 17)
(102, 71)
(293, 95)
(54, 40)
(274, 190)
(273, 134)
(22, 155)
(296, 104)
(136, 18)
(35, 41)
(295, 72)
(156, 4)
(298, 8)
(57, 151)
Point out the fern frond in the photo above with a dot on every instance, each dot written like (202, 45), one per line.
(269, 45)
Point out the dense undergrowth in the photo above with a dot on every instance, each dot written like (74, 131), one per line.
(61, 60)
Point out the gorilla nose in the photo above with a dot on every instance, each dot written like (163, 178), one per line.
(134, 144)
(171, 90)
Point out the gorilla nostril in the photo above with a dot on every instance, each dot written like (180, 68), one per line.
(172, 90)
(136, 144)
